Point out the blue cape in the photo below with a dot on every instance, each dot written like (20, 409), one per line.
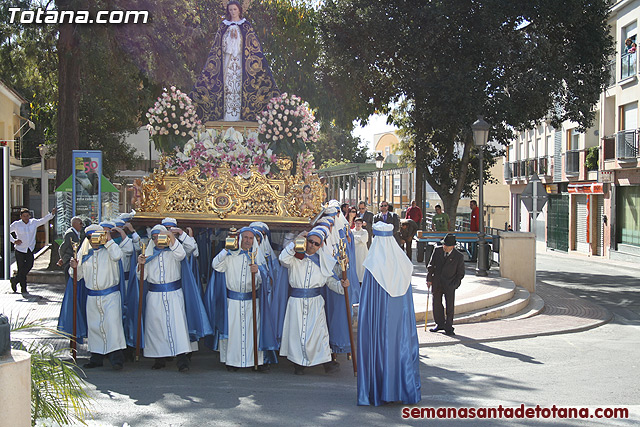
(215, 302)
(388, 353)
(65, 320)
(197, 320)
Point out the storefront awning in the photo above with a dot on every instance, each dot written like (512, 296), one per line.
(587, 188)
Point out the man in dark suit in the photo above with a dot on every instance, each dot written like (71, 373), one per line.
(75, 233)
(445, 273)
(389, 217)
(367, 217)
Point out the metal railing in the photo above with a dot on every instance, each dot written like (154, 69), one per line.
(627, 144)
(628, 65)
(572, 162)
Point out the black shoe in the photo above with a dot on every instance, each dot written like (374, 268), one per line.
(14, 284)
(183, 368)
(299, 370)
(331, 367)
(450, 333)
(117, 366)
(264, 368)
(436, 329)
(92, 365)
(159, 364)
(232, 368)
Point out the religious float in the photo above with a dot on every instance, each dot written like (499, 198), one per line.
(234, 150)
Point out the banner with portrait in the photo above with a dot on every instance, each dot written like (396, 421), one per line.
(87, 185)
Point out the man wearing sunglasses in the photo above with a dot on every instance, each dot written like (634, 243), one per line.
(388, 217)
(305, 335)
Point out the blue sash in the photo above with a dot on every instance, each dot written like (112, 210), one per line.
(103, 292)
(241, 296)
(304, 293)
(165, 287)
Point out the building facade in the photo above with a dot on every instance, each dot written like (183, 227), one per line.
(620, 136)
(11, 130)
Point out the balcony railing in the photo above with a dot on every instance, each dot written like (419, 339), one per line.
(627, 144)
(526, 168)
(572, 162)
(543, 166)
(628, 65)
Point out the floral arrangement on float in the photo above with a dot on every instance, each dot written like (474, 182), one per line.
(289, 124)
(285, 129)
(172, 120)
(211, 149)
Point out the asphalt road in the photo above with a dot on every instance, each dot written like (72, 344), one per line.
(596, 368)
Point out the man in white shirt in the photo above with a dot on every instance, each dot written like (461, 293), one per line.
(25, 242)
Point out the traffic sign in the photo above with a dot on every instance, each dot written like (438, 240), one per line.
(534, 191)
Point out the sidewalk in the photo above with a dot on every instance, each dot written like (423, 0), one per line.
(563, 311)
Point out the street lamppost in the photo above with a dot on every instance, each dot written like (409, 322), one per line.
(480, 136)
(379, 165)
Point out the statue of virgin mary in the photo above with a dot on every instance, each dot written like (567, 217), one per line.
(236, 82)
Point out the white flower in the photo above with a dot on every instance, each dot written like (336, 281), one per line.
(208, 144)
(182, 157)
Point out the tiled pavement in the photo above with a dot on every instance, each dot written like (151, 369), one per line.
(563, 313)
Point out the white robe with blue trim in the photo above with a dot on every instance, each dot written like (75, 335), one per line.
(105, 332)
(237, 349)
(305, 335)
(165, 328)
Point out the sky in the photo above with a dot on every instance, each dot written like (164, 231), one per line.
(377, 124)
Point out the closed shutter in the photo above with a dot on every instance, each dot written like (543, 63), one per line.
(600, 225)
(581, 224)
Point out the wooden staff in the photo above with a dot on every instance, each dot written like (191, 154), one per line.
(255, 320)
(426, 312)
(74, 351)
(140, 297)
(343, 264)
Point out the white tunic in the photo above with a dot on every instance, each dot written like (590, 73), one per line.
(232, 63)
(105, 332)
(165, 329)
(237, 350)
(360, 239)
(189, 243)
(305, 336)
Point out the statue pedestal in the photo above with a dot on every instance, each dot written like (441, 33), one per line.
(15, 389)
(240, 126)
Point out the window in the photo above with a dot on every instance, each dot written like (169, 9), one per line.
(628, 213)
(629, 117)
(396, 185)
(573, 139)
(550, 149)
(628, 51)
(387, 151)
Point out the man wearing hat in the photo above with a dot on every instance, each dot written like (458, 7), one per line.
(305, 337)
(187, 241)
(236, 346)
(445, 273)
(98, 266)
(166, 333)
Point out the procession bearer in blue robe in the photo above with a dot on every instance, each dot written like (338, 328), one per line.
(305, 337)
(98, 265)
(236, 345)
(388, 356)
(166, 333)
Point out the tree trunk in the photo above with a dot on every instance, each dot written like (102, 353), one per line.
(68, 98)
(420, 181)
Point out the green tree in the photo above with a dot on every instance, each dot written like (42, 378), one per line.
(445, 63)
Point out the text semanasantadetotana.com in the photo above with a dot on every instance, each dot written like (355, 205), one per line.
(518, 412)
